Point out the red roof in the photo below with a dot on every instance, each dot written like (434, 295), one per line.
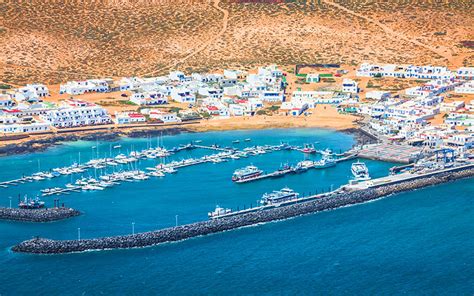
(12, 110)
(135, 115)
(212, 108)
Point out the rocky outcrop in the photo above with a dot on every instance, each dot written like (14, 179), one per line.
(37, 215)
(333, 201)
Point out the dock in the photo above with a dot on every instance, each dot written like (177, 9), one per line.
(344, 196)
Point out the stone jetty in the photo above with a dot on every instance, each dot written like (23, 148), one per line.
(37, 215)
(343, 197)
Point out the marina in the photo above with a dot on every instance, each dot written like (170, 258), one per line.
(190, 194)
(224, 220)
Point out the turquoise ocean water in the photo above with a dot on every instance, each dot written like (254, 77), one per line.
(419, 242)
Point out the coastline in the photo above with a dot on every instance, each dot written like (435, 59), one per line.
(327, 118)
(314, 204)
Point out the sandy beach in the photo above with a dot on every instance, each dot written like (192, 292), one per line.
(321, 117)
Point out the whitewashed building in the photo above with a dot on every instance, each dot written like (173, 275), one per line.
(148, 98)
(165, 117)
(129, 117)
(350, 86)
(77, 116)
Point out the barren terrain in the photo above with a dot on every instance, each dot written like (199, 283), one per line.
(54, 41)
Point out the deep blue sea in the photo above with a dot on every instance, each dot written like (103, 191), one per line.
(421, 242)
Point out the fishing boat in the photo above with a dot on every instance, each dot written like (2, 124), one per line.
(248, 140)
(29, 203)
(308, 149)
(218, 212)
(279, 196)
(198, 141)
(246, 173)
(236, 141)
(360, 171)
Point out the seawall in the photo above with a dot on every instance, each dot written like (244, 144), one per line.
(37, 215)
(342, 198)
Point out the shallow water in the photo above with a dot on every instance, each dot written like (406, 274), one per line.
(417, 242)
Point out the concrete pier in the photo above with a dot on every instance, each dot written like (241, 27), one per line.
(37, 215)
(347, 195)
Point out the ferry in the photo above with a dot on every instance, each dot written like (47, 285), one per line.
(325, 162)
(246, 173)
(31, 203)
(276, 197)
(360, 171)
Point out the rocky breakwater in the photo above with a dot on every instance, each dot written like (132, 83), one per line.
(310, 205)
(37, 215)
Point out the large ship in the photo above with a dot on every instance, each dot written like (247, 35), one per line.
(30, 203)
(279, 196)
(246, 173)
(360, 171)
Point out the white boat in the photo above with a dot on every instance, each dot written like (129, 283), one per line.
(327, 152)
(326, 162)
(277, 197)
(156, 174)
(218, 212)
(117, 146)
(360, 171)
(170, 170)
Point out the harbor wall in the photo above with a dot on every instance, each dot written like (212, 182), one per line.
(37, 215)
(336, 200)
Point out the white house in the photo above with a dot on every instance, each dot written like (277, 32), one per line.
(6, 101)
(465, 73)
(166, 117)
(451, 106)
(31, 93)
(77, 116)
(465, 88)
(183, 95)
(149, 98)
(350, 86)
(377, 95)
(24, 128)
(464, 140)
(129, 117)
(458, 119)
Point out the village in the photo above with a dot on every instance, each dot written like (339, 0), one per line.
(423, 106)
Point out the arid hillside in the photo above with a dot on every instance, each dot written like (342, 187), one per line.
(53, 41)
